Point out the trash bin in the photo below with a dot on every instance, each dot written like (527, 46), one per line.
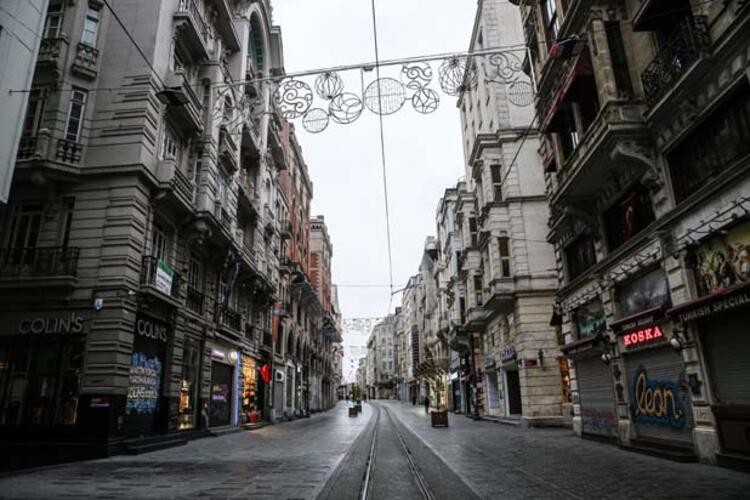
(439, 418)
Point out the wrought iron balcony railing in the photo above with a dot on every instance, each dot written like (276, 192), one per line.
(228, 317)
(157, 274)
(195, 300)
(36, 262)
(683, 47)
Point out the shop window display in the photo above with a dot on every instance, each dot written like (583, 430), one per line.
(251, 403)
(39, 381)
(188, 386)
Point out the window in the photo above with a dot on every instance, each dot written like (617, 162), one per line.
(549, 15)
(628, 216)
(170, 146)
(159, 243)
(34, 112)
(90, 27)
(478, 289)
(25, 226)
(713, 146)
(505, 260)
(53, 22)
(67, 221)
(618, 57)
(580, 256)
(75, 115)
(256, 44)
(497, 179)
(473, 231)
(195, 273)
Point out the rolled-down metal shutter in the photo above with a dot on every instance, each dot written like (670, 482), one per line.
(659, 395)
(596, 396)
(726, 341)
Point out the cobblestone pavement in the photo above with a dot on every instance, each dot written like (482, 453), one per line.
(295, 460)
(290, 460)
(502, 461)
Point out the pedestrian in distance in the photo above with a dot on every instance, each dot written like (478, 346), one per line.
(427, 404)
(414, 399)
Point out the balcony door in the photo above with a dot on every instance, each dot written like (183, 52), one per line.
(23, 235)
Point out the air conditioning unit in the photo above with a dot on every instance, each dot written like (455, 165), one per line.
(279, 376)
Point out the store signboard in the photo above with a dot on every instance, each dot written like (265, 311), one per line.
(164, 277)
(590, 319)
(649, 291)
(644, 336)
(72, 323)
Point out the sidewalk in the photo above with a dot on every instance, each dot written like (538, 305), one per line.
(500, 461)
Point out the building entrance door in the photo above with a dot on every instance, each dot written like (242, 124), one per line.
(514, 392)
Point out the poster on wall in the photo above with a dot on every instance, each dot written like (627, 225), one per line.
(723, 261)
(590, 319)
(646, 292)
(145, 380)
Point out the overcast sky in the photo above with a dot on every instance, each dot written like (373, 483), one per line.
(423, 152)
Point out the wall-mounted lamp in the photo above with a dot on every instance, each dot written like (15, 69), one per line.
(556, 319)
(607, 358)
(677, 343)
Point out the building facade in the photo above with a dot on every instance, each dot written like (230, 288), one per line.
(149, 215)
(644, 111)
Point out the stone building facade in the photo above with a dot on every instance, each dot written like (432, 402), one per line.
(644, 111)
(148, 217)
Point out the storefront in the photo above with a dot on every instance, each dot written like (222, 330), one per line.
(221, 407)
(510, 381)
(187, 408)
(145, 411)
(41, 361)
(252, 391)
(718, 320)
(494, 393)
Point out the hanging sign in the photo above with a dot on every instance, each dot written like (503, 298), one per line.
(164, 277)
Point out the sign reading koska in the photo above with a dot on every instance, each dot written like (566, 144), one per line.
(151, 329)
(643, 336)
(52, 325)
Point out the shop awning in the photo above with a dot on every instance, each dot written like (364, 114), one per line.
(581, 67)
(729, 298)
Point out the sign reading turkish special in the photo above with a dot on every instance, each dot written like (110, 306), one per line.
(164, 276)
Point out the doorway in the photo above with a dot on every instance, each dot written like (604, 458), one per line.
(514, 392)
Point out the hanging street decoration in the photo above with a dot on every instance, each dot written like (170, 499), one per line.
(326, 99)
(294, 98)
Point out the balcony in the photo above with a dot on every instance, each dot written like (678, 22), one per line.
(52, 55)
(286, 229)
(159, 280)
(267, 340)
(476, 318)
(195, 300)
(191, 29)
(86, 62)
(183, 104)
(30, 267)
(683, 47)
(227, 150)
(249, 331)
(228, 320)
(615, 142)
(177, 186)
(248, 199)
(501, 296)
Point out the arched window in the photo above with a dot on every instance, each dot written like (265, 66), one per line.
(256, 44)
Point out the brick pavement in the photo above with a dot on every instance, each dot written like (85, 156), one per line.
(290, 460)
(502, 461)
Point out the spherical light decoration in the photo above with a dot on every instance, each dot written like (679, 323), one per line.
(521, 94)
(315, 121)
(294, 98)
(457, 75)
(385, 96)
(329, 85)
(425, 101)
(345, 108)
(416, 76)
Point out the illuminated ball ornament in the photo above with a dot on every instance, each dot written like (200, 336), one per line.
(385, 96)
(345, 108)
(416, 76)
(315, 121)
(294, 98)
(457, 75)
(329, 85)
(425, 101)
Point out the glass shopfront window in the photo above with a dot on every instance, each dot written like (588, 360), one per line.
(189, 386)
(252, 404)
(39, 380)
